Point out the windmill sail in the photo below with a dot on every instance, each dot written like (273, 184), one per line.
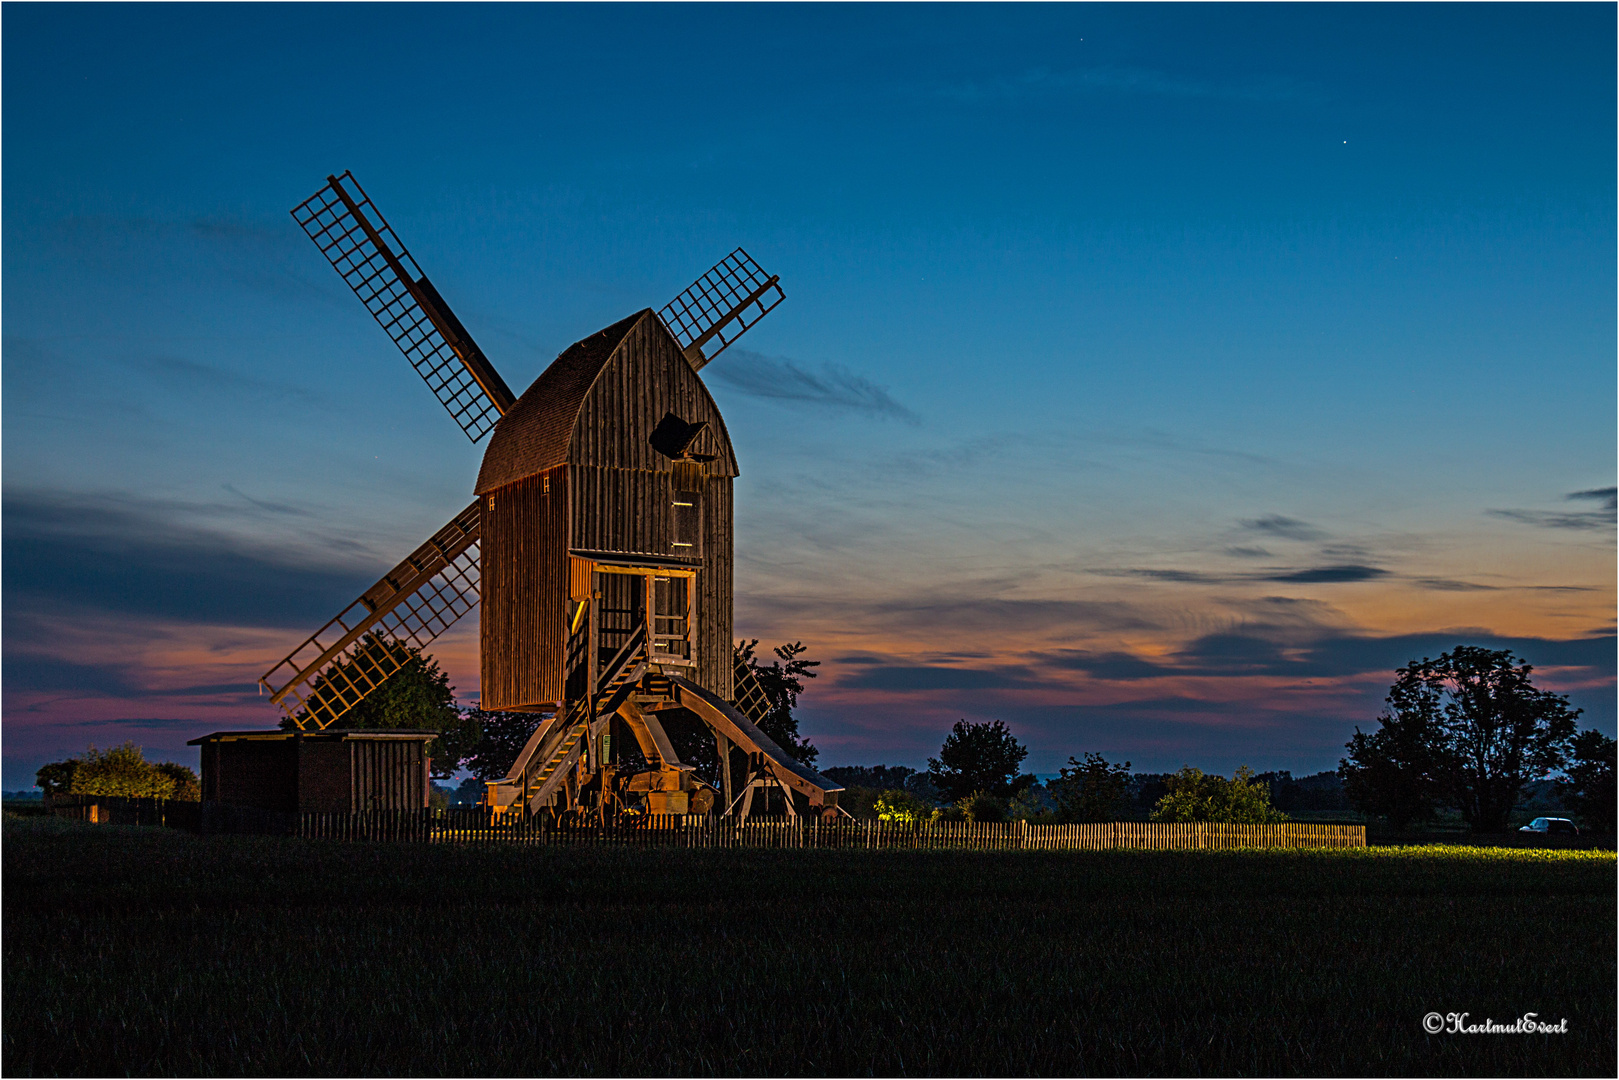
(360, 244)
(721, 306)
(368, 641)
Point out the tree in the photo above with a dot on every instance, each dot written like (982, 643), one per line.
(1091, 790)
(57, 777)
(417, 696)
(1588, 784)
(121, 771)
(1468, 729)
(979, 758)
(1390, 772)
(496, 740)
(187, 788)
(1197, 796)
(782, 682)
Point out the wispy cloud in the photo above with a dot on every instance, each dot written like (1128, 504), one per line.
(1600, 518)
(1335, 573)
(831, 385)
(1285, 527)
(1263, 651)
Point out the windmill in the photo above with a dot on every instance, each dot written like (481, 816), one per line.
(599, 544)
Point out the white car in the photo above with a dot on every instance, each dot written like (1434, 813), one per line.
(1551, 825)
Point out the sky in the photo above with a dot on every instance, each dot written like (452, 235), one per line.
(1156, 379)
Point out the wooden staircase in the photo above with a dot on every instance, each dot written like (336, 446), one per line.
(554, 748)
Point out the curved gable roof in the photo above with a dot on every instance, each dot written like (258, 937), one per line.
(534, 436)
(597, 403)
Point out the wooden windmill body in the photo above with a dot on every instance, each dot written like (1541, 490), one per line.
(599, 546)
(580, 508)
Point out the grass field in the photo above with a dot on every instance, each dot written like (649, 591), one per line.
(157, 952)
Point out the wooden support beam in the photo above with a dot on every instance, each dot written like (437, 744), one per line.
(723, 746)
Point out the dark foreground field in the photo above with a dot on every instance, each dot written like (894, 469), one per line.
(157, 952)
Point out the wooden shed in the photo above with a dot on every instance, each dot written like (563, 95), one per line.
(317, 772)
(605, 496)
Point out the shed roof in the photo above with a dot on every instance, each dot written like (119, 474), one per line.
(280, 734)
(534, 435)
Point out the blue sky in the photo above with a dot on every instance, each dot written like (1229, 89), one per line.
(1154, 378)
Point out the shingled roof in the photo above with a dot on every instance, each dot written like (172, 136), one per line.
(534, 435)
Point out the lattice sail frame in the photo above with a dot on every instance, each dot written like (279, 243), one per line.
(363, 248)
(750, 698)
(354, 653)
(721, 306)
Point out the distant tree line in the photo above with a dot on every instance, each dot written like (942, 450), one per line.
(976, 778)
(1468, 732)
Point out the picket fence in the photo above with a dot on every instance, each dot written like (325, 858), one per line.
(476, 825)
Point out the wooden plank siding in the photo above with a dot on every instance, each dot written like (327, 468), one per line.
(523, 627)
(714, 670)
(644, 378)
(388, 774)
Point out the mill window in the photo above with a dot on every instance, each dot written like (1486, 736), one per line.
(686, 524)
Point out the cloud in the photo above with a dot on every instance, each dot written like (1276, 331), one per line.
(1311, 575)
(273, 259)
(1600, 518)
(1112, 666)
(991, 616)
(180, 373)
(918, 677)
(123, 556)
(783, 380)
(270, 507)
(1327, 574)
(1608, 497)
(1278, 652)
(1452, 585)
(42, 673)
(1286, 527)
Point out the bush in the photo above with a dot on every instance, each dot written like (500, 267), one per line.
(902, 808)
(1195, 796)
(121, 771)
(1033, 804)
(981, 806)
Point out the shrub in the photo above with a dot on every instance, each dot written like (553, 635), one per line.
(902, 808)
(1033, 804)
(1195, 796)
(981, 806)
